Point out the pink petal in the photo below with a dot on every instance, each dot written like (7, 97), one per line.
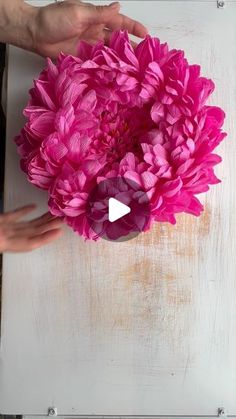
(157, 112)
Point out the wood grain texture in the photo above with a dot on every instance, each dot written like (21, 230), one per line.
(145, 327)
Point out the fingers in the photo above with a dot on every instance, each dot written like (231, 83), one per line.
(99, 33)
(37, 226)
(19, 244)
(98, 14)
(18, 213)
(45, 238)
(120, 21)
(13, 216)
(42, 219)
(23, 236)
(110, 16)
(49, 226)
(93, 34)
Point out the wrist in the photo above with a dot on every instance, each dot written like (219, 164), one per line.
(16, 19)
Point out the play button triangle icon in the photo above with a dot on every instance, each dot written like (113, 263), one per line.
(116, 210)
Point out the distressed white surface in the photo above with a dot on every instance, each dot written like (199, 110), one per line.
(145, 327)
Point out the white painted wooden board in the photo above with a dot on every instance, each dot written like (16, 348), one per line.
(145, 327)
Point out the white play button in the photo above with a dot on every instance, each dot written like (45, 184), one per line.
(117, 210)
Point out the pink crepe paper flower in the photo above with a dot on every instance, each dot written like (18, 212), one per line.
(139, 113)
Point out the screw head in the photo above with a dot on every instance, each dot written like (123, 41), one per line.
(220, 4)
(221, 412)
(52, 411)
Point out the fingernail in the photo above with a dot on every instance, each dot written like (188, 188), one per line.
(114, 5)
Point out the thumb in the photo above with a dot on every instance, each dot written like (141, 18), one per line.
(102, 14)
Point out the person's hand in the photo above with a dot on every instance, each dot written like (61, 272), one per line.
(59, 26)
(48, 30)
(22, 236)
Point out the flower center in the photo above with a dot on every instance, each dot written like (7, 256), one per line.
(119, 134)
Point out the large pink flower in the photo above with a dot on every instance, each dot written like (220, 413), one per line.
(116, 111)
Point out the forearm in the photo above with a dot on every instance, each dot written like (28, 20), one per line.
(15, 23)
